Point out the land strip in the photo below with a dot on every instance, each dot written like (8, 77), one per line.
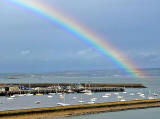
(75, 110)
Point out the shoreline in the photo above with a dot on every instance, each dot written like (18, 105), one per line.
(76, 110)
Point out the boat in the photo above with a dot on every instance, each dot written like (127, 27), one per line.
(39, 94)
(20, 95)
(63, 104)
(122, 100)
(70, 91)
(61, 96)
(109, 94)
(150, 98)
(51, 93)
(10, 98)
(13, 96)
(92, 102)
(87, 92)
(50, 96)
(29, 94)
(116, 93)
(74, 98)
(155, 94)
(81, 101)
(119, 96)
(37, 102)
(105, 96)
(131, 94)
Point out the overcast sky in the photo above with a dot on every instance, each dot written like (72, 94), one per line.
(28, 43)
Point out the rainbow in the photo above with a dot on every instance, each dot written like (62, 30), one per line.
(81, 33)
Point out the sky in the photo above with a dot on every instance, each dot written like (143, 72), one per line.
(29, 43)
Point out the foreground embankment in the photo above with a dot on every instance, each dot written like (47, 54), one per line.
(78, 109)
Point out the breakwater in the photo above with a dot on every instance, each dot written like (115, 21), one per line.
(81, 109)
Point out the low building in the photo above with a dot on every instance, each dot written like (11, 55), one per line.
(2, 88)
(12, 88)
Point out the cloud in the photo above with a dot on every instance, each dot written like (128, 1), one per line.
(84, 52)
(25, 52)
(87, 53)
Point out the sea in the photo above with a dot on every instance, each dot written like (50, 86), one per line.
(151, 81)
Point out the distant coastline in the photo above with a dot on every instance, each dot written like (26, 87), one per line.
(76, 110)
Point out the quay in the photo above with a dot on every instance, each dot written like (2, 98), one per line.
(126, 85)
(7, 90)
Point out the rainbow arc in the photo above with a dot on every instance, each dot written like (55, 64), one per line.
(81, 33)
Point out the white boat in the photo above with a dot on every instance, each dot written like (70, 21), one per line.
(122, 100)
(13, 96)
(119, 96)
(16, 95)
(93, 99)
(92, 102)
(85, 91)
(150, 98)
(29, 94)
(70, 91)
(20, 95)
(155, 94)
(89, 93)
(139, 93)
(109, 94)
(61, 96)
(74, 98)
(131, 94)
(51, 93)
(105, 96)
(37, 102)
(116, 93)
(81, 101)
(62, 104)
(50, 96)
(10, 98)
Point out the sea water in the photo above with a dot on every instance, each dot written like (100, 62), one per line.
(152, 81)
(149, 113)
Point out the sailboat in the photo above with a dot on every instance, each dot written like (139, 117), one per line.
(29, 94)
(37, 102)
(39, 94)
(64, 102)
(81, 101)
(150, 97)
